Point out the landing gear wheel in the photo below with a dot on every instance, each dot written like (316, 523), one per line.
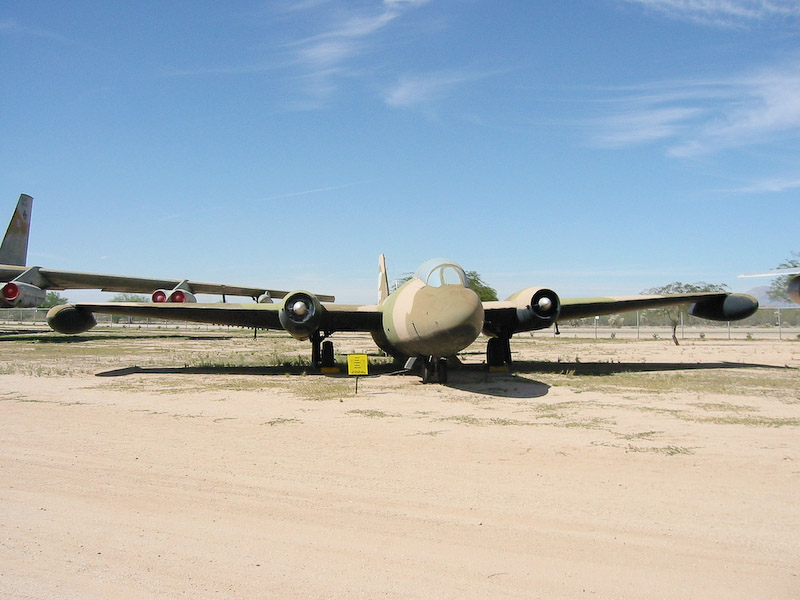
(327, 355)
(441, 367)
(428, 370)
(434, 368)
(498, 352)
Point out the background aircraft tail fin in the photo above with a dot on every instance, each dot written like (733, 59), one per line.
(383, 280)
(14, 249)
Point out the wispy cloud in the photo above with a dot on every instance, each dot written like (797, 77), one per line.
(324, 56)
(11, 27)
(701, 117)
(775, 185)
(725, 13)
(318, 63)
(415, 90)
(312, 191)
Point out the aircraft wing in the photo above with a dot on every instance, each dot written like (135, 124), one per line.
(53, 279)
(578, 308)
(333, 317)
(774, 272)
(505, 316)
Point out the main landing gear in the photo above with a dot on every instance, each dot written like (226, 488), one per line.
(498, 353)
(322, 351)
(434, 369)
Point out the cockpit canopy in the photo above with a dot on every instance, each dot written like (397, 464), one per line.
(437, 272)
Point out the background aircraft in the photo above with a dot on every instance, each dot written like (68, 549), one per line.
(26, 287)
(432, 316)
(793, 285)
(14, 249)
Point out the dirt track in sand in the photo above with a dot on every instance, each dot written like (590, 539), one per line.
(612, 470)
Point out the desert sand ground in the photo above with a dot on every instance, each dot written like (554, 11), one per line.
(168, 465)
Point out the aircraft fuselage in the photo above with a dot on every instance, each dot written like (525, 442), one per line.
(433, 314)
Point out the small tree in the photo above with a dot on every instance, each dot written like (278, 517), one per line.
(125, 297)
(673, 313)
(485, 292)
(53, 299)
(778, 288)
(129, 298)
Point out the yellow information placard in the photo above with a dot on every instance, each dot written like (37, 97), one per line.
(357, 364)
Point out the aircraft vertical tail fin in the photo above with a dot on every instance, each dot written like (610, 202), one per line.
(383, 280)
(14, 249)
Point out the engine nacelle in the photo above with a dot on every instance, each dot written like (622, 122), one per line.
(301, 314)
(794, 289)
(70, 319)
(732, 307)
(176, 295)
(537, 308)
(181, 296)
(16, 294)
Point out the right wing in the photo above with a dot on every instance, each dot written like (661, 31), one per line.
(77, 318)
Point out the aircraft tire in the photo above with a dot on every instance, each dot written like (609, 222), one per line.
(327, 354)
(428, 368)
(441, 367)
(494, 352)
(498, 352)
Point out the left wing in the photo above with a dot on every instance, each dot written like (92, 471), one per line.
(526, 313)
(716, 306)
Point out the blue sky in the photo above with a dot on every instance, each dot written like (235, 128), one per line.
(597, 146)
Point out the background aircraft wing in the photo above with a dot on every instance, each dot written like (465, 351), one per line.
(53, 279)
(333, 317)
(774, 272)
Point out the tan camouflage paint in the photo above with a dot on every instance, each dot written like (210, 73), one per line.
(14, 249)
(422, 320)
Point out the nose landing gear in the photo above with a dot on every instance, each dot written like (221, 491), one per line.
(434, 369)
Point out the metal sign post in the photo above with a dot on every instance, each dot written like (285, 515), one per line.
(357, 364)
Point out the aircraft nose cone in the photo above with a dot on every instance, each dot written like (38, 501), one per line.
(299, 308)
(545, 304)
(453, 325)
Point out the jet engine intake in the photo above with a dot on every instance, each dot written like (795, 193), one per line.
(794, 289)
(16, 294)
(70, 319)
(537, 308)
(301, 314)
(731, 307)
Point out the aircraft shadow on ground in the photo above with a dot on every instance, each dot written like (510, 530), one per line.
(474, 378)
(49, 338)
(610, 368)
(478, 380)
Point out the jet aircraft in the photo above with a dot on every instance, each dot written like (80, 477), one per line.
(14, 249)
(432, 316)
(26, 287)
